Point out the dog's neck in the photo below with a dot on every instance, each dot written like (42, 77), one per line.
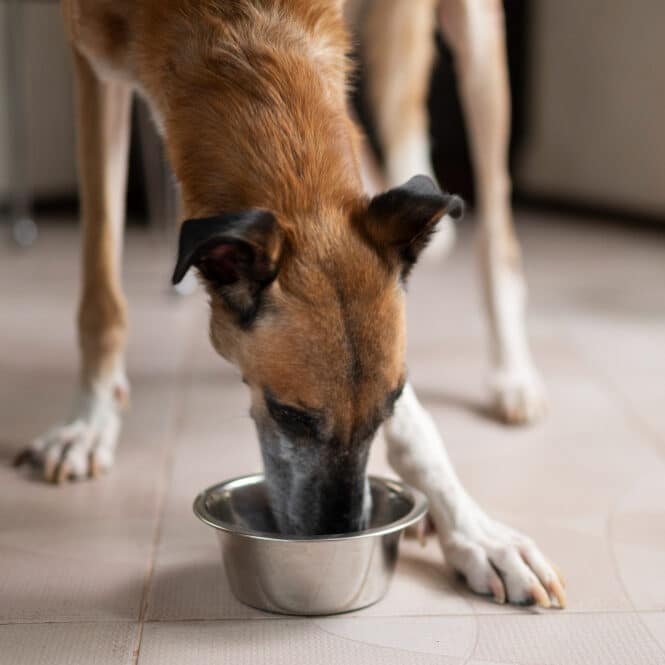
(263, 122)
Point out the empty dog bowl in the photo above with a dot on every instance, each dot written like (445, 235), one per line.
(317, 575)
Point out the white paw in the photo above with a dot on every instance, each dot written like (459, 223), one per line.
(82, 447)
(498, 561)
(520, 396)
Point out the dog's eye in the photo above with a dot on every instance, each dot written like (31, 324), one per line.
(293, 420)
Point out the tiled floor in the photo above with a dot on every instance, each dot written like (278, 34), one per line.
(119, 571)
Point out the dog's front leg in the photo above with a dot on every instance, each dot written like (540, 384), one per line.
(85, 443)
(493, 558)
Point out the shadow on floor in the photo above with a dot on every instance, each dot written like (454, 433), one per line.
(446, 398)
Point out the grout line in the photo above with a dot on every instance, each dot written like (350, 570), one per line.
(617, 568)
(332, 617)
(653, 441)
(184, 374)
(641, 426)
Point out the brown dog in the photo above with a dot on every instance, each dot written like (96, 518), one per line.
(304, 271)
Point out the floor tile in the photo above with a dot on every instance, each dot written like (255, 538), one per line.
(81, 551)
(68, 643)
(296, 642)
(586, 483)
(655, 623)
(567, 639)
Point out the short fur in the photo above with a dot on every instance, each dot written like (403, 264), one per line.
(305, 272)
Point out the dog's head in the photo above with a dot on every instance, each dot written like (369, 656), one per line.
(313, 315)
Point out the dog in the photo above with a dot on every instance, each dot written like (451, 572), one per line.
(304, 270)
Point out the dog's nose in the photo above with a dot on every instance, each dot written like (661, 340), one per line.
(343, 524)
(347, 509)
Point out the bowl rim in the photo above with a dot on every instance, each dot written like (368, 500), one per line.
(417, 511)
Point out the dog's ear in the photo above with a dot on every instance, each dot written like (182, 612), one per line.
(402, 220)
(238, 254)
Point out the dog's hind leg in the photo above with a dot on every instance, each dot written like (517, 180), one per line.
(398, 51)
(475, 31)
(85, 444)
(493, 558)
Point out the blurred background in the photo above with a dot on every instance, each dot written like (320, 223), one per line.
(588, 109)
(83, 568)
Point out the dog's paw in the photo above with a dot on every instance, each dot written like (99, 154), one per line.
(81, 448)
(498, 561)
(519, 395)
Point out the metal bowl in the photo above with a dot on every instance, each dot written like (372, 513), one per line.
(306, 576)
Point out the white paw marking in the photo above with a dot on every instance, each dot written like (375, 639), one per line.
(84, 446)
(495, 560)
(519, 395)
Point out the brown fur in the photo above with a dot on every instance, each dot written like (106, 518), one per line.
(397, 40)
(335, 339)
(103, 144)
(251, 97)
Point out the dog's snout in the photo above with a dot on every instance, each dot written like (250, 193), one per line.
(347, 510)
(312, 492)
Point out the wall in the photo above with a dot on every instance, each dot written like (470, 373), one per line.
(597, 104)
(49, 102)
(595, 116)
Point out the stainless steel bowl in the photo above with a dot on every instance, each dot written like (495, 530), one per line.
(317, 575)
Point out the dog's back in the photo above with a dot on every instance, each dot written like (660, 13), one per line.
(229, 78)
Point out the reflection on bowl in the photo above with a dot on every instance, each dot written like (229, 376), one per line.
(315, 575)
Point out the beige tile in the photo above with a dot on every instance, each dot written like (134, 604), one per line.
(567, 639)
(81, 551)
(655, 624)
(68, 643)
(637, 536)
(420, 586)
(215, 441)
(628, 356)
(451, 636)
(73, 570)
(190, 584)
(586, 484)
(296, 642)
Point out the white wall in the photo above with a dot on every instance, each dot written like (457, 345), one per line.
(49, 102)
(597, 115)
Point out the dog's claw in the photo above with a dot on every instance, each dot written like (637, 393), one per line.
(83, 448)
(96, 469)
(540, 597)
(555, 590)
(50, 466)
(559, 574)
(62, 474)
(498, 590)
(421, 530)
(498, 561)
